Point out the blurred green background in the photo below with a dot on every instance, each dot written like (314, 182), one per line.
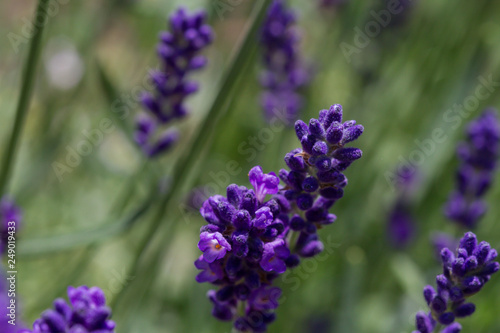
(400, 86)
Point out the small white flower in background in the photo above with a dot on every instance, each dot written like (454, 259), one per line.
(63, 64)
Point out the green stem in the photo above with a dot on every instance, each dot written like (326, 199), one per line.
(188, 160)
(26, 92)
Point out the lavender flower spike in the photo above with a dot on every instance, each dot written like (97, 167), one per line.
(479, 156)
(179, 51)
(284, 70)
(247, 242)
(10, 219)
(315, 180)
(86, 313)
(465, 272)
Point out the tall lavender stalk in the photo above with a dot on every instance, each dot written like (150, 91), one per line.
(249, 241)
(478, 163)
(284, 70)
(179, 51)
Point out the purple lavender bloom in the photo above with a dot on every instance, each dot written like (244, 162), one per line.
(284, 70)
(210, 271)
(315, 180)
(244, 250)
(274, 255)
(86, 313)
(179, 51)
(263, 183)
(247, 241)
(265, 298)
(10, 219)
(401, 227)
(465, 272)
(213, 245)
(479, 156)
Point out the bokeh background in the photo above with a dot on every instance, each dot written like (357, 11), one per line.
(399, 86)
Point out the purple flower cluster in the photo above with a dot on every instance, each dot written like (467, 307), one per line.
(249, 241)
(285, 72)
(178, 51)
(478, 157)
(244, 249)
(86, 313)
(464, 274)
(9, 212)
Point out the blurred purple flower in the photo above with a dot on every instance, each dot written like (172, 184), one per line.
(479, 157)
(284, 70)
(246, 243)
(178, 51)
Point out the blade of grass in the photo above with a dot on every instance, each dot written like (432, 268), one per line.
(27, 82)
(111, 95)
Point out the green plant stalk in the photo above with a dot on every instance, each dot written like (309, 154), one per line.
(23, 103)
(187, 161)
